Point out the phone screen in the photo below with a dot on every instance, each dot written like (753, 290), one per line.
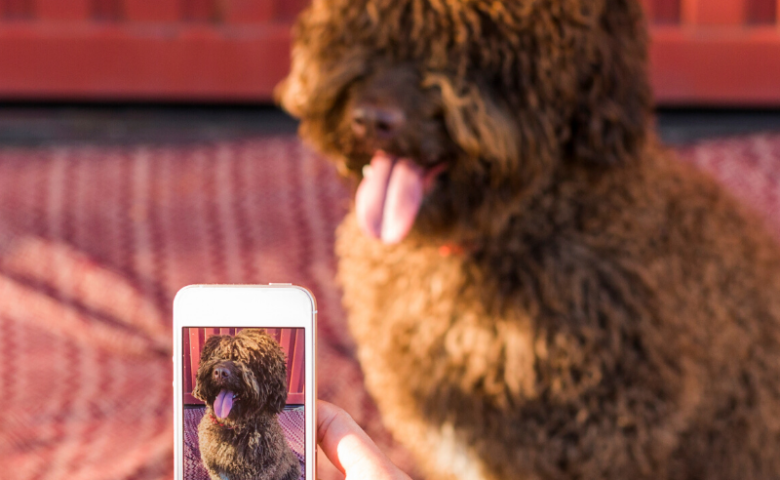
(243, 402)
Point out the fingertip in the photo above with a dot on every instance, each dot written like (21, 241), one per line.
(327, 413)
(345, 443)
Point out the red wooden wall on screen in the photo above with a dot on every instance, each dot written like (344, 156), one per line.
(291, 340)
(719, 52)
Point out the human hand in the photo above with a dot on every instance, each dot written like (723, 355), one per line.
(350, 449)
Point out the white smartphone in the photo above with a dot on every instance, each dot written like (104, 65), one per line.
(244, 382)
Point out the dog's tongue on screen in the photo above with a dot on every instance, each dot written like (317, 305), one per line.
(389, 197)
(223, 403)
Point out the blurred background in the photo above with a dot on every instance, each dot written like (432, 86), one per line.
(140, 151)
(179, 70)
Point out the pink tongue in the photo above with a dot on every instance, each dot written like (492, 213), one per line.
(223, 403)
(388, 199)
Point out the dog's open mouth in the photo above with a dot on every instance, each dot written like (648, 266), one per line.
(390, 195)
(223, 403)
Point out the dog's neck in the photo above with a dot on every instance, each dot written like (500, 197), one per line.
(449, 249)
(216, 421)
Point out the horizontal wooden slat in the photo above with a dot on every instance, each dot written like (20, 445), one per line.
(738, 66)
(117, 62)
(696, 65)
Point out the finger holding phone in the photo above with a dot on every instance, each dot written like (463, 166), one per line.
(350, 449)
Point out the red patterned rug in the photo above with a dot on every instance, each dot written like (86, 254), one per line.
(94, 243)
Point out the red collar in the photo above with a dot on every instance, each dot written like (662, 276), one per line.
(449, 249)
(217, 422)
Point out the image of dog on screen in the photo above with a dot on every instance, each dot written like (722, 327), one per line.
(242, 380)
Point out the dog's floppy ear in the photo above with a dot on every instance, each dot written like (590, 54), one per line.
(274, 379)
(208, 349)
(277, 392)
(269, 368)
(271, 387)
(614, 105)
(316, 79)
(197, 392)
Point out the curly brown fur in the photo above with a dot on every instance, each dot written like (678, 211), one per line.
(614, 314)
(248, 443)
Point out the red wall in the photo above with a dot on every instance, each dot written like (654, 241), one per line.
(715, 52)
(144, 49)
(291, 340)
(705, 52)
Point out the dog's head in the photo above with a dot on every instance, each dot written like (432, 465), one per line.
(242, 376)
(462, 108)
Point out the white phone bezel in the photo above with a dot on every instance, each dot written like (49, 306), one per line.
(271, 306)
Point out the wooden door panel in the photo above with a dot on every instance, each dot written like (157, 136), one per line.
(703, 52)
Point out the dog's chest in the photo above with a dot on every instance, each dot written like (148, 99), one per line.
(230, 454)
(423, 328)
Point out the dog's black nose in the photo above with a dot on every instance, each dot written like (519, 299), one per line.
(375, 122)
(221, 373)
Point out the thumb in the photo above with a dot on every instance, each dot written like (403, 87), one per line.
(349, 448)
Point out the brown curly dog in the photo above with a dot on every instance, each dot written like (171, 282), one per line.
(243, 381)
(538, 290)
